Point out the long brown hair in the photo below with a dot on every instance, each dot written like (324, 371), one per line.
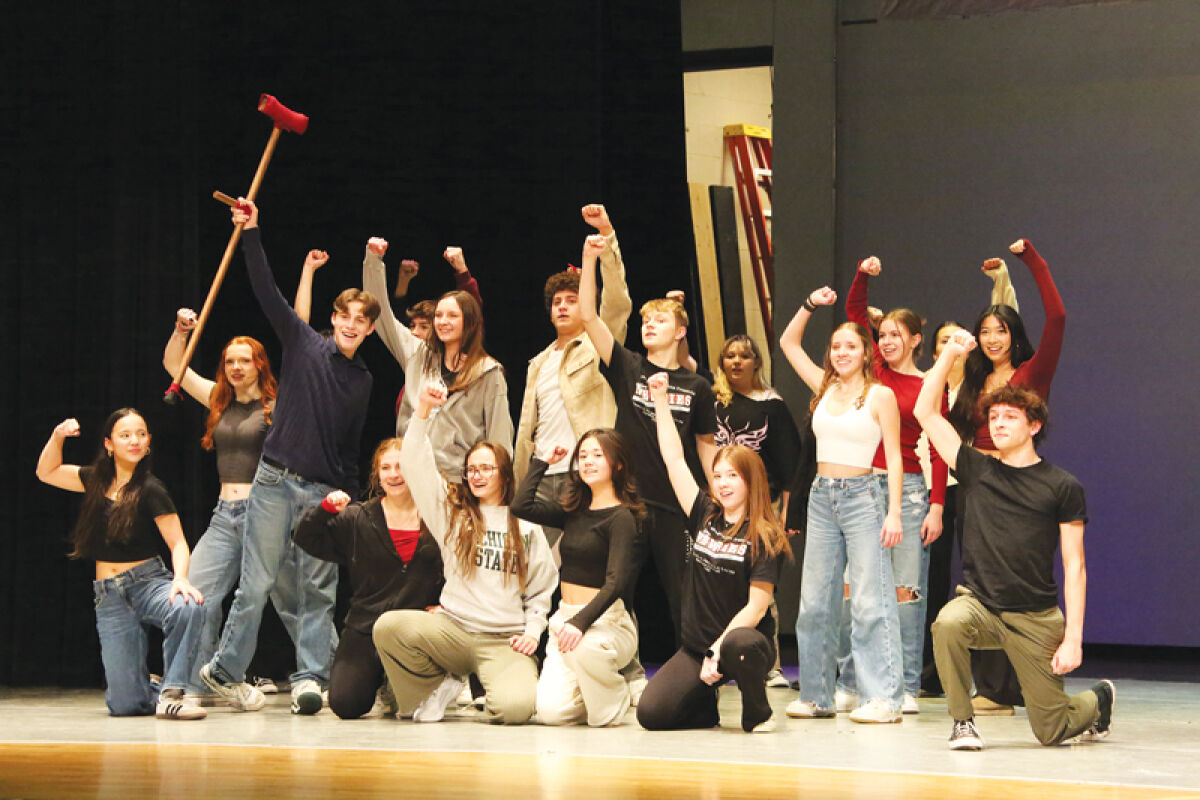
(761, 526)
(474, 357)
(374, 487)
(577, 494)
(223, 394)
(467, 525)
(830, 376)
(721, 387)
(117, 525)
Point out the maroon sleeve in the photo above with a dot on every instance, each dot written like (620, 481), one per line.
(465, 282)
(856, 311)
(1038, 372)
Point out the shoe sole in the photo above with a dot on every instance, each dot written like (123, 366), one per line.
(864, 721)
(208, 680)
(815, 715)
(308, 703)
(969, 747)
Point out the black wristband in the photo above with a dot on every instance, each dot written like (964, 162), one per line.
(709, 653)
(808, 303)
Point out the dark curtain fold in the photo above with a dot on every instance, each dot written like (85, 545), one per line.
(480, 125)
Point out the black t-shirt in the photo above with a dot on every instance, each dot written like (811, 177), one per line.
(766, 427)
(691, 401)
(1011, 523)
(598, 548)
(716, 583)
(145, 538)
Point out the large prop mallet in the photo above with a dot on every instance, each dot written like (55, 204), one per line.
(285, 120)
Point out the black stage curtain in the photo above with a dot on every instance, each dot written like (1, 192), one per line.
(480, 125)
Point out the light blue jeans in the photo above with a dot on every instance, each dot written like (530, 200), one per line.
(126, 602)
(278, 500)
(845, 516)
(215, 566)
(910, 568)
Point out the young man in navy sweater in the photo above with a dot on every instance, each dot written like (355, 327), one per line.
(311, 450)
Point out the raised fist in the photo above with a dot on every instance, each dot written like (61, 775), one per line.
(68, 427)
(992, 264)
(433, 392)
(338, 499)
(377, 245)
(594, 245)
(870, 265)
(677, 295)
(316, 259)
(963, 340)
(558, 455)
(454, 255)
(595, 215)
(409, 268)
(185, 320)
(657, 384)
(823, 296)
(1017, 247)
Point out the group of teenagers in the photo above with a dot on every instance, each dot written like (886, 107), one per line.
(618, 457)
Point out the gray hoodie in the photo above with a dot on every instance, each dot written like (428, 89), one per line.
(469, 416)
(485, 602)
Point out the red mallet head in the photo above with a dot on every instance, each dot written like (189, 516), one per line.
(281, 115)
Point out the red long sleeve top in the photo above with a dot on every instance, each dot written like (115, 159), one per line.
(906, 388)
(1038, 372)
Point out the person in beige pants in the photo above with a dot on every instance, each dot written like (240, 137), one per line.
(499, 574)
(1018, 509)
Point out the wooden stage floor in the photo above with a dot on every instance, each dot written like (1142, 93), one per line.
(62, 744)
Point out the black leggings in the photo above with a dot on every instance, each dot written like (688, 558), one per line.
(677, 699)
(667, 535)
(355, 676)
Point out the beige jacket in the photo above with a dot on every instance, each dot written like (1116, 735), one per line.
(586, 395)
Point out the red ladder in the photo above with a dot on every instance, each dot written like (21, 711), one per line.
(750, 149)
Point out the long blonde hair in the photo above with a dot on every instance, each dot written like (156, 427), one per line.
(721, 388)
(467, 527)
(761, 526)
(830, 377)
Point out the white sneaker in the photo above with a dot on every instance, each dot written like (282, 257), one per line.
(803, 709)
(241, 696)
(844, 701)
(776, 680)
(909, 705)
(433, 708)
(878, 711)
(174, 704)
(307, 697)
(465, 697)
(766, 726)
(965, 736)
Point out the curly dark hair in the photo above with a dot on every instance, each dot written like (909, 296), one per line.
(565, 281)
(1024, 398)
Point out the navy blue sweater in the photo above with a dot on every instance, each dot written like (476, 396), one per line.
(322, 405)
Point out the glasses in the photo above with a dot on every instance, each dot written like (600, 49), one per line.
(482, 471)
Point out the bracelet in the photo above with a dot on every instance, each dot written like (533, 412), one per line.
(808, 303)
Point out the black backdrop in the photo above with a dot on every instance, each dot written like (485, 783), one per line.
(481, 125)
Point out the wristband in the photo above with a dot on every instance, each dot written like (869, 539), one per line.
(709, 654)
(808, 303)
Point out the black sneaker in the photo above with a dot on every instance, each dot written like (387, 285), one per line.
(965, 736)
(1106, 700)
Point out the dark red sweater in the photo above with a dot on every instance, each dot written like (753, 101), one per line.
(906, 388)
(1038, 372)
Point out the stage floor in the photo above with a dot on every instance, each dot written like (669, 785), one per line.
(62, 743)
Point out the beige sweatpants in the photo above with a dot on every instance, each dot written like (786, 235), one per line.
(418, 649)
(1029, 639)
(586, 685)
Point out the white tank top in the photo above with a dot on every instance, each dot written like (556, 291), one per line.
(850, 438)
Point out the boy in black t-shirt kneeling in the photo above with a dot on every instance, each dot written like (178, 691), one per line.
(1017, 510)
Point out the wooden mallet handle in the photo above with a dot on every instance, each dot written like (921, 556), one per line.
(284, 119)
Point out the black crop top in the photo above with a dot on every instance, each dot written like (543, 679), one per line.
(597, 547)
(145, 538)
(239, 438)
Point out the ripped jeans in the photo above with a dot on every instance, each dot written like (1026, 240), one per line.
(910, 567)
